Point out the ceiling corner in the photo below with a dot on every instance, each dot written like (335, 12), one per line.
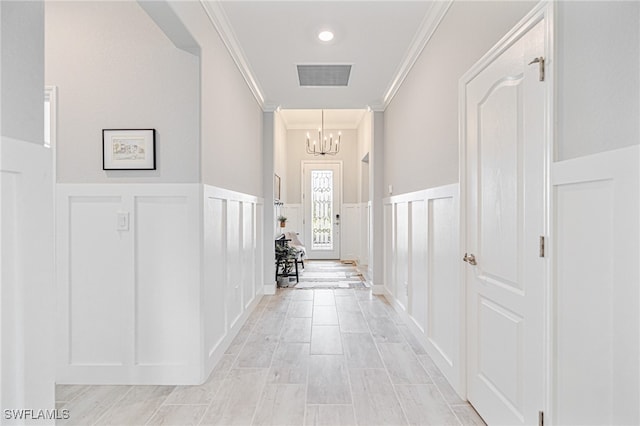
(428, 27)
(221, 23)
(269, 107)
(377, 107)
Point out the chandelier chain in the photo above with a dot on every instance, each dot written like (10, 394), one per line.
(324, 145)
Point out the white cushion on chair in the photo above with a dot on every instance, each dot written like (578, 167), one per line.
(295, 242)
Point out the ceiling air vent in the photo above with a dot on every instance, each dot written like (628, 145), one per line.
(324, 75)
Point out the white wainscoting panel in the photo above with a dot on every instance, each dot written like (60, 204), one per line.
(259, 267)
(419, 278)
(27, 297)
(247, 267)
(443, 262)
(422, 272)
(595, 321)
(389, 249)
(214, 267)
(128, 278)
(234, 274)
(150, 280)
(97, 323)
(350, 232)
(167, 274)
(401, 278)
(365, 221)
(232, 265)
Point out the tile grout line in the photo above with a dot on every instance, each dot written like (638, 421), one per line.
(438, 388)
(113, 404)
(433, 382)
(386, 369)
(344, 355)
(264, 386)
(77, 396)
(226, 375)
(283, 303)
(306, 388)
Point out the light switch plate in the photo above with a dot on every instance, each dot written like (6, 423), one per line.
(123, 221)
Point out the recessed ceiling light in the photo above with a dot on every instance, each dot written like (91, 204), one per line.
(325, 35)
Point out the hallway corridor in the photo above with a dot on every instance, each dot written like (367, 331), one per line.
(312, 357)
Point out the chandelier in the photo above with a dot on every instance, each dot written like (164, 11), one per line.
(323, 145)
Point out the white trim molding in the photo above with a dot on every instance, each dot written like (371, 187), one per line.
(27, 369)
(221, 23)
(544, 10)
(428, 27)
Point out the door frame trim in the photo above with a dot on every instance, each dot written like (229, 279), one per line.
(304, 163)
(545, 10)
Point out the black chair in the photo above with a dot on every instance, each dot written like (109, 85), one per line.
(298, 245)
(286, 259)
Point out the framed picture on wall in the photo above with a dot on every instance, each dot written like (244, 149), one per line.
(276, 186)
(128, 149)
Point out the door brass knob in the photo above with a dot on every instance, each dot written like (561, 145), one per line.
(470, 259)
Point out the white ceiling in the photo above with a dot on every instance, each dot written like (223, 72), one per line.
(381, 39)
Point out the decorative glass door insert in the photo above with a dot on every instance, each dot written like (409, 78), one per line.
(322, 209)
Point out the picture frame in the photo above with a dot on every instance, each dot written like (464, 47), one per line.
(128, 149)
(276, 186)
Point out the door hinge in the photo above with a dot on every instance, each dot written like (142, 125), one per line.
(540, 62)
(541, 246)
(540, 418)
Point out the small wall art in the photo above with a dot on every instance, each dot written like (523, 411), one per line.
(128, 149)
(276, 187)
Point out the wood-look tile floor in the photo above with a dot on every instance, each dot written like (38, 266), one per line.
(304, 357)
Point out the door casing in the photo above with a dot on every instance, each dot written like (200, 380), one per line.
(544, 10)
(340, 184)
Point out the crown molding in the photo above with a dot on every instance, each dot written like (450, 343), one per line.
(269, 107)
(428, 27)
(430, 23)
(221, 23)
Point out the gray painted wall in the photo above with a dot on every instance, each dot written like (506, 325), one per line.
(231, 128)
(598, 89)
(421, 123)
(598, 77)
(107, 82)
(22, 75)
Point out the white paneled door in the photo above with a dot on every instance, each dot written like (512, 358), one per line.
(322, 200)
(505, 274)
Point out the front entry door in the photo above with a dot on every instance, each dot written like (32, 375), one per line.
(322, 183)
(505, 204)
